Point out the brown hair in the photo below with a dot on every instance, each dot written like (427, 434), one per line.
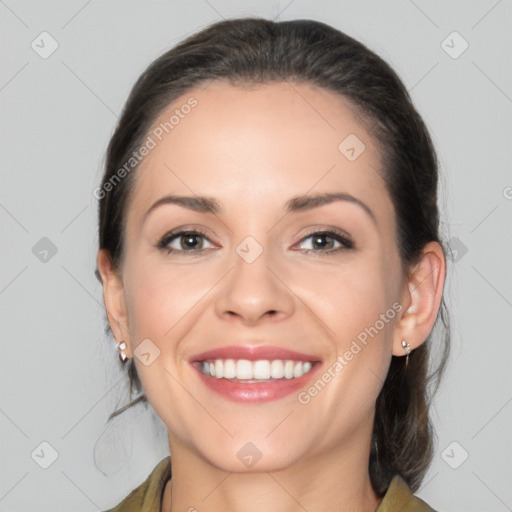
(248, 51)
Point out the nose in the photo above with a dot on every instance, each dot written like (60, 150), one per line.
(254, 292)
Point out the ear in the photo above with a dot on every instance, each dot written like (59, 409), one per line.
(421, 299)
(113, 298)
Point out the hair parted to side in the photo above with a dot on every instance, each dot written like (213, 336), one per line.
(252, 51)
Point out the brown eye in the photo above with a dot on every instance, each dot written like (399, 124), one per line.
(184, 241)
(325, 242)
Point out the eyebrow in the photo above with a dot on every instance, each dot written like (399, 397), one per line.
(296, 204)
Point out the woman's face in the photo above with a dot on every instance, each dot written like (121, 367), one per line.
(262, 275)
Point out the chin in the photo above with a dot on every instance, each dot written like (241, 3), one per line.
(264, 464)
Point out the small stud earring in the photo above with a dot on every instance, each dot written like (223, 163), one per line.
(121, 345)
(407, 348)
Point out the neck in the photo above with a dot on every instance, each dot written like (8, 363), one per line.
(337, 480)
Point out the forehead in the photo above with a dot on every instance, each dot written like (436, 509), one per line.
(262, 144)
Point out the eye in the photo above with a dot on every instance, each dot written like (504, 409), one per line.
(184, 241)
(192, 241)
(321, 240)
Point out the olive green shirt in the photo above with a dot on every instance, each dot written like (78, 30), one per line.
(147, 497)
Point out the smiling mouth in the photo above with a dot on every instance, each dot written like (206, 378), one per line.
(250, 372)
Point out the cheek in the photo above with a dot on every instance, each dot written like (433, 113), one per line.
(353, 302)
(159, 296)
(349, 296)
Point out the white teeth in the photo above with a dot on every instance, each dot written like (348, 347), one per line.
(288, 369)
(277, 369)
(229, 369)
(243, 369)
(261, 369)
(219, 368)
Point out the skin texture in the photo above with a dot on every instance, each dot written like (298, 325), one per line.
(252, 149)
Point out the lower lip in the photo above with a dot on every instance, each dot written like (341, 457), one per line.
(256, 392)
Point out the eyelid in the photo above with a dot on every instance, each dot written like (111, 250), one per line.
(326, 230)
(187, 228)
(339, 235)
(163, 241)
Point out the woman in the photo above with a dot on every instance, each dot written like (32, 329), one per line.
(272, 271)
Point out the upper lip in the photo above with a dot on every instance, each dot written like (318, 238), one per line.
(253, 353)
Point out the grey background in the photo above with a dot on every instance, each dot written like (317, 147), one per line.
(60, 376)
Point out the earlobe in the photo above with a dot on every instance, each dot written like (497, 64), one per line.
(113, 297)
(422, 296)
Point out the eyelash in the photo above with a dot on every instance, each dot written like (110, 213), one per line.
(338, 236)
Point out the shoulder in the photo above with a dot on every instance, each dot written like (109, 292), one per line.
(400, 497)
(148, 495)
